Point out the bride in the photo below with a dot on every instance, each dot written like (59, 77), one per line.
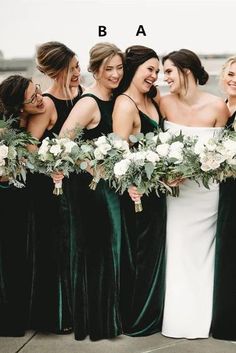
(191, 217)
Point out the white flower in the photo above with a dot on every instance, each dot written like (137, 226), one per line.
(121, 145)
(165, 137)
(152, 157)
(104, 148)
(211, 145)
(120, 168)
(55, 149)
(101, 140)
(98, 154)
(2, 162)
(163, 149)
(211, 161)
(230, 146)
(176, 151)
(199, 147)
(3, 151)
(69, 145)
(43, 149)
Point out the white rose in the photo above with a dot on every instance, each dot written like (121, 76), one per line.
(55, 150)
(43, 149)
(98, 154)
(121, 145)
(163, 149)
(3, 151)
(101, 140)
(199, 147)
(164, 137)
(176, 151)
(230, 145)
(2, 162)
(152, 157)
(120, 168)
(69, 145)
(104, 148)
(211, 145)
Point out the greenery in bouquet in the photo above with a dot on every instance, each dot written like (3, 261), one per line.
(14, 155)
(59, 154)
(101, 154)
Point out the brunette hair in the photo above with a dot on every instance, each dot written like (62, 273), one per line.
(12, 94)
(135, 56)
(186, 59)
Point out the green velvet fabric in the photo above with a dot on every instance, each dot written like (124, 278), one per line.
(143, 259)
(14, 291)
(224, 307)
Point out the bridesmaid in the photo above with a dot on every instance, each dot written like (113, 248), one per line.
(224, 309)
(51, 289)
(95, 215)
(19, 98)
(143, 239)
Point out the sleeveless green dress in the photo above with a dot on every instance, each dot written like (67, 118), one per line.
(50, 301)
(143, 258)
(224, 305)
(95, 236)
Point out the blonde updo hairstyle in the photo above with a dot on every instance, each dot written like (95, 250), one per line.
(101, 53)
(52, 58)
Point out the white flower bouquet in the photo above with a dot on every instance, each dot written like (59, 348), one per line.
(101, 154)
(57, 155)
(14, 155)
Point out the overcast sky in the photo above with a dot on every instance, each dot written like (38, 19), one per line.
(204, 26)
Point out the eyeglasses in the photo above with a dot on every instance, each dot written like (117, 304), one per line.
(34, 96)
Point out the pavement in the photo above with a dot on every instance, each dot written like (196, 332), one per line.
(34, 342)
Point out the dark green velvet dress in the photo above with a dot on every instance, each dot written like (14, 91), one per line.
(95, 222)
(142, 258)
(14, 288)
(50, 305)
(224, 307)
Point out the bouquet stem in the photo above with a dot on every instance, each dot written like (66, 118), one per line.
(138, 206)
(175, 191)
(94, 183)
(58, 188)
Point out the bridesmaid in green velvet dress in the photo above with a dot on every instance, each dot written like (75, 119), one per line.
(19, 97)
(143, 238)
(95, 215)
(51, 288)
(224, 308)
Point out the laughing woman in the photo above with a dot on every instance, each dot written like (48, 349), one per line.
(224, 309)
(19, 98)
(96, 214)
(51, 290)
(143, 238)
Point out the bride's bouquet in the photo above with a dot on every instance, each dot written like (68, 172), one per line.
(14, 155)
(101, 154)
(216, 158)
(57, 155)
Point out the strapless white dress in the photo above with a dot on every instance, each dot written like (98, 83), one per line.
(190, 252)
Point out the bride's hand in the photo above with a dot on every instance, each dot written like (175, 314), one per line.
(57, 177)
(134, 194)
(175, 182)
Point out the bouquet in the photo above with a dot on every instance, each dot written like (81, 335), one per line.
(216, 158)
(101, 154)
(57, 155)
(14, 155)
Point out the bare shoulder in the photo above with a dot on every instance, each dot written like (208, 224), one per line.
(166, 101)
(125, 106)
(85, 104)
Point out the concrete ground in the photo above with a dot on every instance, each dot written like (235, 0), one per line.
(34, 342)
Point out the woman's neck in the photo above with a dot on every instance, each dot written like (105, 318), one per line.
(59, 91)
(190, 96)
(100, 91)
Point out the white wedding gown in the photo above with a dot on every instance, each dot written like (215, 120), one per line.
(190, 252)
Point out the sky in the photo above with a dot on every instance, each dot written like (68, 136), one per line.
(204, 26)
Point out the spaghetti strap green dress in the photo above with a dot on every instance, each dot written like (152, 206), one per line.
(143, 258)
(224, 304)
(95, 238)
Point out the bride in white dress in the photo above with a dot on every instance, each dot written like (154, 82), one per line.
(191, 217)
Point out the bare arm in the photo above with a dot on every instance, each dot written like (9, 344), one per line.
(123, 117)
(84, 114)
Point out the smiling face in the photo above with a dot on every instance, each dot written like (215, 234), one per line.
(173, 77)
(229, 80)
(70, 77)
(110, 72)
(33, 100)
(146, 75)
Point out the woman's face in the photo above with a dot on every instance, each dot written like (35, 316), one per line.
(33, 103)
(110, 72)
(229, 81)
(70, 77)
(173, 77)
(146, 75)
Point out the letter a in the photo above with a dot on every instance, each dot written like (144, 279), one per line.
(102, 31)
(140, 30)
